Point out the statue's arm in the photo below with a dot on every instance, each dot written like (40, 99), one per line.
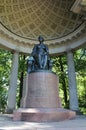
(34, 50)
(47, 50)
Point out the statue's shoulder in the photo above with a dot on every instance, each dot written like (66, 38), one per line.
(36, 45)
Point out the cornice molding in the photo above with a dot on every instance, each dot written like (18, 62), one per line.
(79, 7)
(12, 41)
(19, 39)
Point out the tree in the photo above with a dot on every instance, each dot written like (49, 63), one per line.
(60, 67)
(80, 65)
(22, 72)
(5, 65)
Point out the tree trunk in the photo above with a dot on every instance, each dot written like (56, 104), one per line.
(21, 83)
(63, 81)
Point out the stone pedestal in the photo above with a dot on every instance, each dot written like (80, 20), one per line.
(41, 101)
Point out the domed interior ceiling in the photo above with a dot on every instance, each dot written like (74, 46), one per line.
(31, 18)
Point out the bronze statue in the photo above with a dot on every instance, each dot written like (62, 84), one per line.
(39, 58)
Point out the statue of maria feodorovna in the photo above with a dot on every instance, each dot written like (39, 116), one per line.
(39, 58)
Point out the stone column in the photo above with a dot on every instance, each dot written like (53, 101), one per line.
(13, 84)
(72, 82)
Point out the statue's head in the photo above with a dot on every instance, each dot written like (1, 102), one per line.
(41, 39)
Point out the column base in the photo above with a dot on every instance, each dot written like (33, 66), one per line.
(9, 111)
(43, 114)
(78, 112)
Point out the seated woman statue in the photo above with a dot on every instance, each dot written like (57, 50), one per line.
(40, 54)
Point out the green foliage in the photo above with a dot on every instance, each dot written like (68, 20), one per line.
(5, 65)
(60, 68)
(3, 99)
(80, 61)
(80, 65)
(22, 72)
(22, 64)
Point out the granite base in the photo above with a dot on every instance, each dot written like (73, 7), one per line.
(43, 115)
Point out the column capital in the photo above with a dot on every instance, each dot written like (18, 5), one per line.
(68, 49)
(17, 50)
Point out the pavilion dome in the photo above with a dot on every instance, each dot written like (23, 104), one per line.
(27, 19)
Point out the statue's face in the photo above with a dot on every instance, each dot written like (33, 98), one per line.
(40, 38)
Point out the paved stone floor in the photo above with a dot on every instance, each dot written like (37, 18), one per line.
(6, 123)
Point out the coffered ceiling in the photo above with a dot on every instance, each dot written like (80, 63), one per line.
(31, 18)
